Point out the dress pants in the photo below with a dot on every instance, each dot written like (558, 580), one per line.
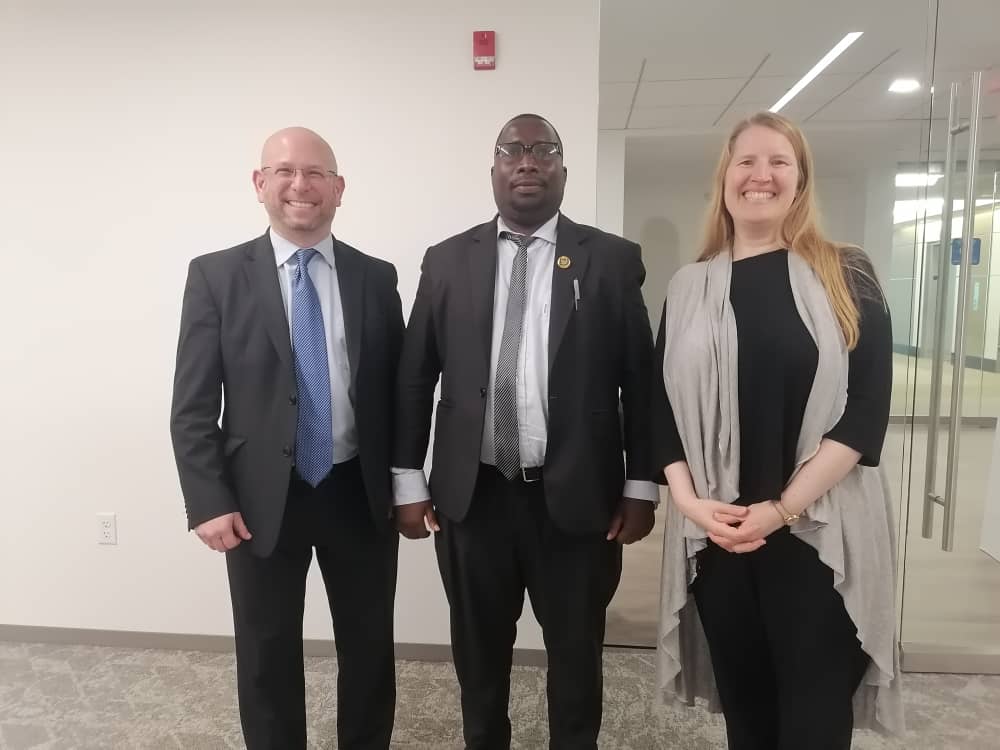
(505, 545)
(358, 563)
(785, 653)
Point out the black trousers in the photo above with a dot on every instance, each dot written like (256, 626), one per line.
(358, 563)
(785, 653)
(508, 544)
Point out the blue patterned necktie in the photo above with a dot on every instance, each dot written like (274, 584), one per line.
(314, 431)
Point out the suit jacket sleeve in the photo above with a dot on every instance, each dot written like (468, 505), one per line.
(197, 401)
(419, 368)
(635, 389)
(395, 323)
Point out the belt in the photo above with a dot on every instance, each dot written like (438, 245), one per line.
(531, 473)
(350, 465)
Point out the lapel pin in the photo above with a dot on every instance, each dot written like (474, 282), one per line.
(563, 262)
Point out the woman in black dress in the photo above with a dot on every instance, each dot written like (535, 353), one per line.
(776, 354)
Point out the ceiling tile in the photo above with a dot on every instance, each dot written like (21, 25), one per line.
(821, 89)
(846, 109)
(687, 93)
(617, 94)
(620, 66)
(712, 62)
(673, 117)
(612, 119)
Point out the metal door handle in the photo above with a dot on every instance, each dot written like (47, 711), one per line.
(931, 498)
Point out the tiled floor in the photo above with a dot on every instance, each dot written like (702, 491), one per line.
(83, 697)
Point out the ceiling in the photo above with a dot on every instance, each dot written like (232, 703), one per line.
(676, 76)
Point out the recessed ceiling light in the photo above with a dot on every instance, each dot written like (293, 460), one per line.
(904, 85)
(828, 58)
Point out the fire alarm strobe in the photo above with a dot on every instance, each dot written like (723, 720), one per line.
(484, 51)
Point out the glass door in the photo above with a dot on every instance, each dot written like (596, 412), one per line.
(950, 542)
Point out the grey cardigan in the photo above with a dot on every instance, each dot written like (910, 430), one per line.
(851, 526)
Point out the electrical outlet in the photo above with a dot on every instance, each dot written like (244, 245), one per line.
(107, 528)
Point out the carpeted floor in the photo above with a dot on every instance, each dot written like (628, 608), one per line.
(82, 697)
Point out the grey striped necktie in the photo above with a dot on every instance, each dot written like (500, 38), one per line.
(506, 435)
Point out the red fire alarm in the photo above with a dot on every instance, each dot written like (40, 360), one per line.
(484, 50)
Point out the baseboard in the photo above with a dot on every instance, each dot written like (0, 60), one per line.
(928, 657)
(437, 652)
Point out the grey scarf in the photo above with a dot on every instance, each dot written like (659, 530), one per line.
(851, 526)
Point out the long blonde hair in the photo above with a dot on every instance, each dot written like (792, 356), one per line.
(800, 230)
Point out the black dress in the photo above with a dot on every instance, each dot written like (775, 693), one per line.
(784, 651)
(776, 365)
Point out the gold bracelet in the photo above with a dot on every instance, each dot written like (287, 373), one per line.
(789, 518)
(774, 504)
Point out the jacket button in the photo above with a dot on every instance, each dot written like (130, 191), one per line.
(286, 452)
(293, 399)
(482, 392)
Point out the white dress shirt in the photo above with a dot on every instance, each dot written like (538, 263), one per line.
(533, 358)
(323, 272)
(532, 364)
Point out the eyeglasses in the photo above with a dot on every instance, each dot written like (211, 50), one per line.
(309, 174)
(543, 151)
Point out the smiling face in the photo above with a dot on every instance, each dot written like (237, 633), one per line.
(299, 186)
(761, 180)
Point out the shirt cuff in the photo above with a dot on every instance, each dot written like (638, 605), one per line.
(641, 490)
(409, 486)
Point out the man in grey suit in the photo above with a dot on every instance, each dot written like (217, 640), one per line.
(300, 333)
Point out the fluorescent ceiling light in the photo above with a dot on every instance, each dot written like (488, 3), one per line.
(818, 68)
(904, 85)
(915, 179)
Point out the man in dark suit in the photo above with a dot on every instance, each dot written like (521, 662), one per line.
(298, 334)
(537, 328)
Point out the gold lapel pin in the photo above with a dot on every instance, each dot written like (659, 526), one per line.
(563, 262)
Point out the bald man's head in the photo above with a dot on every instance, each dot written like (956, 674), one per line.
(278, 144)
(299, 185)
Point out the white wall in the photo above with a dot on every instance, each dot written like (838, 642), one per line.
(129, 133)
(880, 198)
(664, 214)
(841, 202)
(611, 181)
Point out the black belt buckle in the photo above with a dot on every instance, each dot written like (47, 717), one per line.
(531, 474)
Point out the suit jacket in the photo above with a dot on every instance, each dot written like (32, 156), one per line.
(234, 340)
(600, 360)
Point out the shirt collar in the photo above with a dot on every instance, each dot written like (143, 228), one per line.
(546, 231)
(284, 250)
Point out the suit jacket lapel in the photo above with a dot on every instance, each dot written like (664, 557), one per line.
(262, 272)
(571, 261)
(482, 272)
(351, 280)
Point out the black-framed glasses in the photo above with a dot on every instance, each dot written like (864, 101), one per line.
(309, 174)
(543, 151)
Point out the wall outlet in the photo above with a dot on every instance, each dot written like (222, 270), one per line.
(107, 528)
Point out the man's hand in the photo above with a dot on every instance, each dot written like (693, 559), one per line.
(223, 533)
(632, 521)
(416, 520)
